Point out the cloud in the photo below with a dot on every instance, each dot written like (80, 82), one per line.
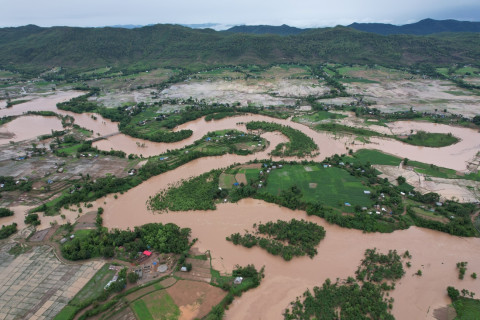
(301, 13)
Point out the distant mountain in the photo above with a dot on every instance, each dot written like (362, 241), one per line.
(423, 27)
(282, 30)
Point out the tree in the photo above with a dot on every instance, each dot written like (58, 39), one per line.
(476, 120)
(453, 293)
(132, 277)
(401, 180)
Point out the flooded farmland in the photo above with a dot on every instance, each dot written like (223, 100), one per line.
(339, 253)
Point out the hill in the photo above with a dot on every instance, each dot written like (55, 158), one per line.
(423, 27)
(34, 49)
(282, 30)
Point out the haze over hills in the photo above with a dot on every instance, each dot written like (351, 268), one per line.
(35, 49)
(423, 27)
(282, 30)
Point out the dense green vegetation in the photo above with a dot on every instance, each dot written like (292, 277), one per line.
(319, 116)
(4, 212)
(363, 298)
(34, 49)
(7, 230)
(462, 268)
(10, 184)
(80, 104)
(302, 238)
(339, 128)
(428, 139)
(376, 267)
(458, 215)
(300, 144)
(168, 238)
(198, 193)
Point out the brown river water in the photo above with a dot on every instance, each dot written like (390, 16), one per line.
(31, 127)
(435, 253)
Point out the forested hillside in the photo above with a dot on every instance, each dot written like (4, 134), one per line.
(34, 49)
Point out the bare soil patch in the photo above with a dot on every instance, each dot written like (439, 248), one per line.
(87, 221)
(200, 271)
(195, 298)
(241, 178)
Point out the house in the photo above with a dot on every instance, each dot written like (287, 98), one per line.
(183, 269)
(147, 253)
(347, 204)
(63, 240)
(236, 184)
(366, 191)
(439, 204)
(238, 280)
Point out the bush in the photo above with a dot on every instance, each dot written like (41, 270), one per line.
(7, 231)
(32, 219)
(4, 212)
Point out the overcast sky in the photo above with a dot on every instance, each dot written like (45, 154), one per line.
(299, 13)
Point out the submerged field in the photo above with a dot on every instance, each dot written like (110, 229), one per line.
(333, 183)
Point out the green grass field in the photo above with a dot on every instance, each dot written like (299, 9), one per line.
(331, 186)
(434, 171)
(467, 309)
(319, 116)
(156, 305)
(66, 313)
(141, 310)
(374, 157)
(226, 181)
(95, 286)
(429, 139)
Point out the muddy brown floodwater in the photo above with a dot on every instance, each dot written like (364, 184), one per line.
(435, 253)
(28, 127)
(338, 254)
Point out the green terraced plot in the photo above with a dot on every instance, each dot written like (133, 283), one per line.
(95, 286)
(330, 186)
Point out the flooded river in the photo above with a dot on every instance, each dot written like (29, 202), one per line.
(338, 255)
(435, 253)
(455, 157)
